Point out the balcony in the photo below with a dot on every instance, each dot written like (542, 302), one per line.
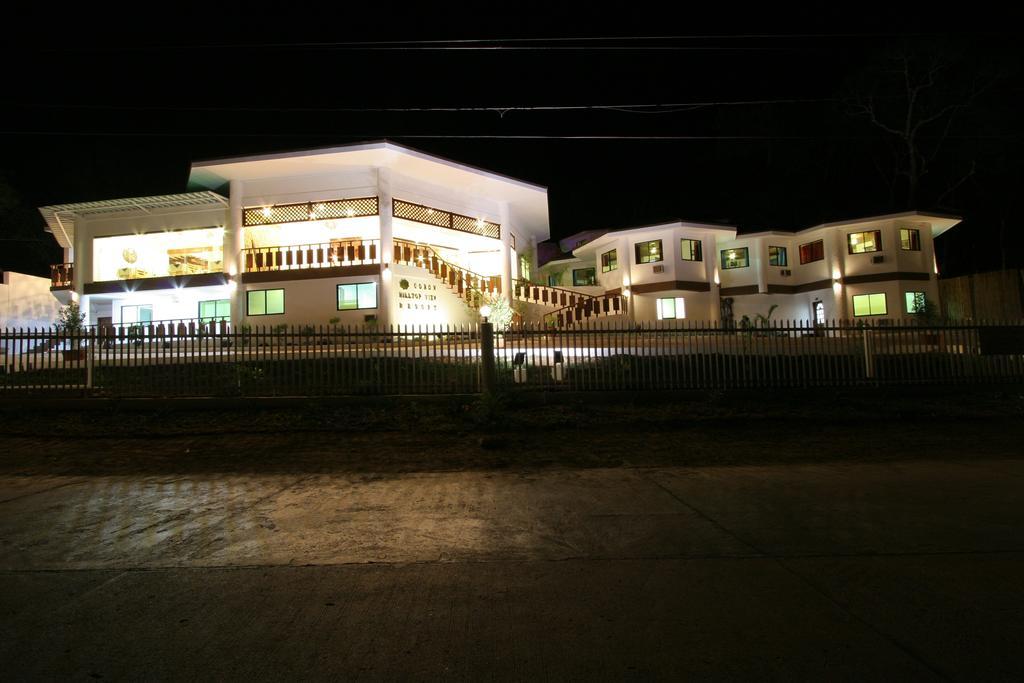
(305, 257)
(62, 275)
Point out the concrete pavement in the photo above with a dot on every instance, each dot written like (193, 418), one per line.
(896, 570)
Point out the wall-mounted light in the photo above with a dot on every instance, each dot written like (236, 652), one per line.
(625, 291)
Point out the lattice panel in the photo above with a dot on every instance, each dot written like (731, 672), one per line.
(444, 219)
(310, 211)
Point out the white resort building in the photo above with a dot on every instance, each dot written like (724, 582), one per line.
(378, 232)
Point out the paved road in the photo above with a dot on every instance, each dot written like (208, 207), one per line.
(899, 570)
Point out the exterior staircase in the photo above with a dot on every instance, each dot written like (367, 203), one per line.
(572, 307)
(469, 286)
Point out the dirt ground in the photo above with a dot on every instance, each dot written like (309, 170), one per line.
(460, 433)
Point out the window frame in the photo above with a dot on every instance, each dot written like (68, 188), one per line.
(138, 307)
(215, 316)
(677, 303)
(915, 239)
(814, 258)
(779, 250)
(608, 265)
(593, 279)
(746, 258)
(248, 302)
(907, 300)
(871, 313)
(357, 285)
(639, 260)
(699, 251)
(877, 242)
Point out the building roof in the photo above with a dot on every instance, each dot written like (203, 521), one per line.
(328, 154)
(528, 202)
(61, 218)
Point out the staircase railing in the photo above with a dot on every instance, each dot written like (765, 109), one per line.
(595, 306)
(462, 280)
(574, 306)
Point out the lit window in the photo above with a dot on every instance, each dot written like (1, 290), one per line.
(915, 302)
(648, 252)
(819, 313)
(735, 258)
(864, 242)
(142, 313)
(869, 304)
(265, 302)
(215, 309)
(673, 308)
(609, 261)
(584, 277)
(690, 250)
(812, 251)
(352, 297)
(777, 256)
(910, 239)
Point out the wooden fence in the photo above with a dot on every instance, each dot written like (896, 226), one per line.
(216, 360)
(997, 295)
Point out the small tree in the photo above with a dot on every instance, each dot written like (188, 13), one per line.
(70, 319)
(926, 311)
(501, 312)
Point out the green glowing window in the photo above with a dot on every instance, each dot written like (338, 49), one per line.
(265, 302)
(356, 296)
(869, 304)
(215, 309)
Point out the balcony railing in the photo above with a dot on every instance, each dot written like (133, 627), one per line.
(160, 329)
(347, 252)
(62, 275)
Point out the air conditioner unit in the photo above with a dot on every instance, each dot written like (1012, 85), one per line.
(877, 259)
(786, 273)
(659, 269)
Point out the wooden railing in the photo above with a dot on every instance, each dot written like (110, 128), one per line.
(574, 306)
(462, 281)
(172, 327)
(346, 252)
(62, 275)
(593, 307)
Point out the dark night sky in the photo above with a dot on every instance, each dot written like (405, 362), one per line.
(122, 113)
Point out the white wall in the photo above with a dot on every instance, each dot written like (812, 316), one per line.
(26, 301)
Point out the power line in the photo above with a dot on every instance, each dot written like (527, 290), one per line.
(639, 108)
(513, 44)
(408, 136)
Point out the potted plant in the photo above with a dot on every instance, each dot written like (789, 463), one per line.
(69, 323)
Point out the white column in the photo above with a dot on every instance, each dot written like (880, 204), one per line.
(837, 270)
(506, 253)
(624, 258)
(82, 251)
(761, 254)
(709, 249)
(234, 242)
(385, 305)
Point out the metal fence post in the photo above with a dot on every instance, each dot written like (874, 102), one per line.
(488, 370)
(869, 365)
(90, 350)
